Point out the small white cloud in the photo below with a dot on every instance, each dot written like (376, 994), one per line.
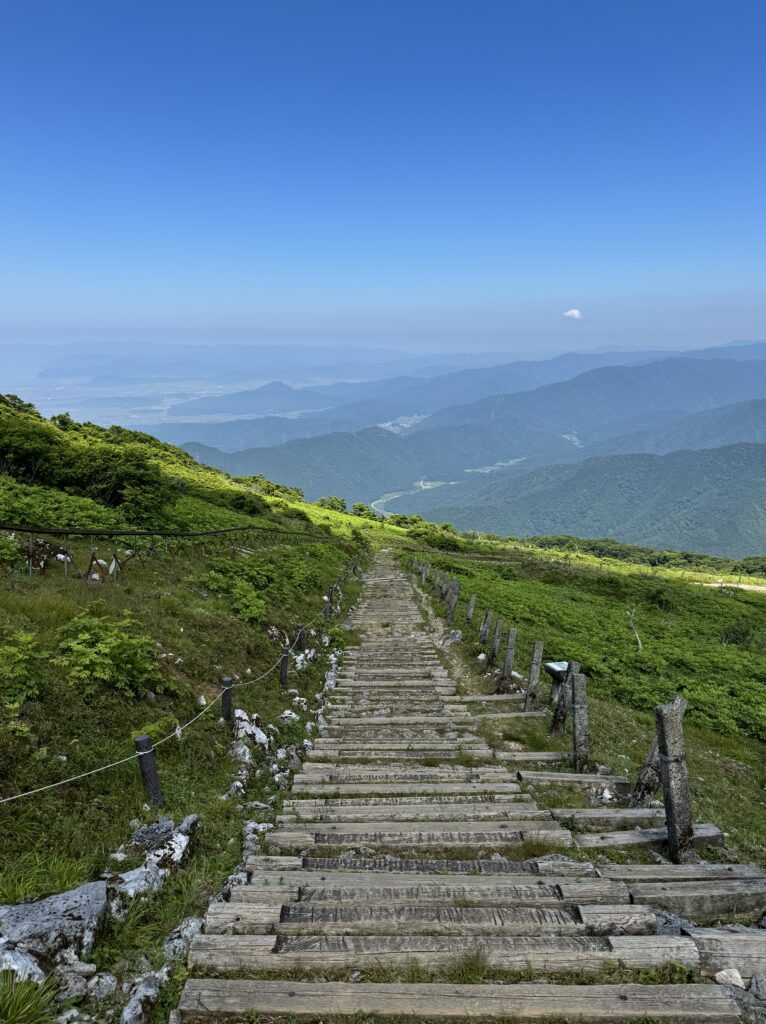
(573, 314)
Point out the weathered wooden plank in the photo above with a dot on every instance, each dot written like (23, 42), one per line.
(385, 788)
(552, 955)
(385, 919)
(242, 918)
(653, 837)
(494, 811)
(611, 817)
(706, 901)
(207, 999)
(531, 778)
(679, 872)
(412, 887)
(723, 947)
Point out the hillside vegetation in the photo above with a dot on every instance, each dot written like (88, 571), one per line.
(87, 667)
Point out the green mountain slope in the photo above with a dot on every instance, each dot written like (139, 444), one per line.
(709, 500)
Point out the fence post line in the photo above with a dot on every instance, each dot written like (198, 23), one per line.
(561, 711)
(495, 648)
(510, 653)
(580, 721)
(485, 624)
(227, 711)
(675, 782)
(534, 676)
(300, 638)
(284, 664)
(148, 767)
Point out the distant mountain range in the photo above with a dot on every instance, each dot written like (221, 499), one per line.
(710, 500)
(499, 460)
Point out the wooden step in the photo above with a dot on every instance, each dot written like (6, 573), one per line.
(654, 838)
(706, 901)
(721, 948)
(523, 890)
(679, 872)
(209, 999)
(548, 955)
(464, 835)
(415, 787)
(384, 919)
(532, 778)
(389, 814)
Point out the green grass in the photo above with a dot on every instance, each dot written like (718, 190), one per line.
(579, 613)
(26, 1002)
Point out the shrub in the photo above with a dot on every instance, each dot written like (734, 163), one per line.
(97, 655)
(334, 503)
(19, 679)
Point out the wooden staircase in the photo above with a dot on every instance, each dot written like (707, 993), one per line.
(399, 873)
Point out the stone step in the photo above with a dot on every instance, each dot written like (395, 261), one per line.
(217, 1000)
(540, 955)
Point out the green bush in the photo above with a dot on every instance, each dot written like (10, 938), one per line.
(98, 656)
(20, 673)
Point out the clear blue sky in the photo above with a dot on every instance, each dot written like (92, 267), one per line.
(428, 173)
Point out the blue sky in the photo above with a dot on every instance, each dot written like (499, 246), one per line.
(441, 175)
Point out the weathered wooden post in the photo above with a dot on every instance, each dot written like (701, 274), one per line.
(470, 609)
(510, 654)
(227, 711)
(561, 711)
(300, 638)
(580, 721)
(148, 768)
(650, 777)
(452, 608)
(495, 648)
(675, 783)
(534, 677)
(326, 610)
(486, 622)
(284, 665)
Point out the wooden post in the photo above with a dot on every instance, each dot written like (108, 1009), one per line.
(495, 648)
(470, 609)
(580, 721)
(300, 638)
(284, 664)
(452, 608)
(675, 783)
(650, 777)
(148, 768)
(564, 703)
(510, 653)
(227, 711)
(326, 611)
(485, 624)
(534, 677)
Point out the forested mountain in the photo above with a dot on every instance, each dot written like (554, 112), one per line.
(709, 500)
(555, 423)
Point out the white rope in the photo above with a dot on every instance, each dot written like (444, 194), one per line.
(174, 734)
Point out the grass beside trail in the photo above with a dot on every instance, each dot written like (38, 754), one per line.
(687, 634)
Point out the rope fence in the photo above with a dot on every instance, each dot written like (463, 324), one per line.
(148, 752)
